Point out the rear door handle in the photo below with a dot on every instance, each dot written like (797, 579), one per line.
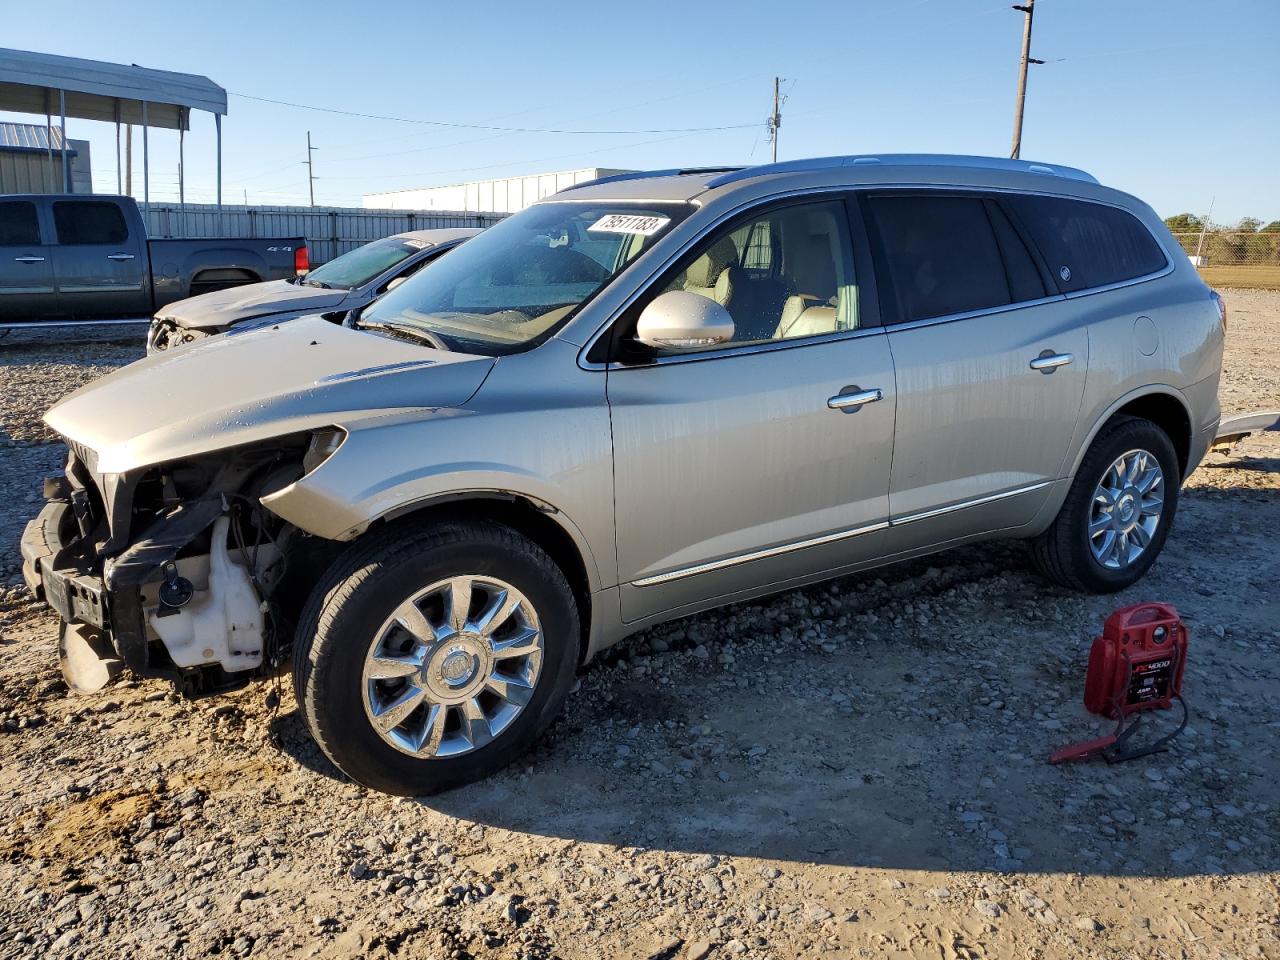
(28, 259)
(119, 256)
(851, 399)
(1048, 361)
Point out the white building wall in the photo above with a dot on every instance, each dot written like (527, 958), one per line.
(505, 195)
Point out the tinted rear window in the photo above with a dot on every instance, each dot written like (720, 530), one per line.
(1088, 244)
(940, 254)
(18, 224)
(88, 221)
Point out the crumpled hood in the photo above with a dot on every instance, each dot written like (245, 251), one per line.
(253, 386)
(223, 307)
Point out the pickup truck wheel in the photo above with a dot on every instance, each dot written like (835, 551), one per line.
(1118, 511)
(435, 654)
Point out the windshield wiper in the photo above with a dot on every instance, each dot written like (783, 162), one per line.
(405, 331)
(318, 283)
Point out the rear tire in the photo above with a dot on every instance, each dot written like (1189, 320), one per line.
(409, 699)
(1100, 541)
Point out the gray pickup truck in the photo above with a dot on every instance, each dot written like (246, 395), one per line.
(89, 256)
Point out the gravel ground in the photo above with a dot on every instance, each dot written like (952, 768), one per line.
(852, 770)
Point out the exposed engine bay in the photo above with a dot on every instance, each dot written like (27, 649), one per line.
(177, 570)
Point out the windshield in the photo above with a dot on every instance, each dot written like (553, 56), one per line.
(359, 266)
(521, 279)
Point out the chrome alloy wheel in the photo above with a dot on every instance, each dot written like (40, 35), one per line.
(452, 667)
(1127, 506)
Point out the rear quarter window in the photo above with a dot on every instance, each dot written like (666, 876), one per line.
(1088, 244)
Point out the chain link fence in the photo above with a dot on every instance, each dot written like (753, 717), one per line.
(1235, 258)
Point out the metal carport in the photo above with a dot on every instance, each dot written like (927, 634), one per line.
(113, 92)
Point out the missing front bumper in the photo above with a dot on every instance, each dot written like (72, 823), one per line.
(62, 570)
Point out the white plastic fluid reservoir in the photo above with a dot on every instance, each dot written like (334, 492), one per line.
(220, 625)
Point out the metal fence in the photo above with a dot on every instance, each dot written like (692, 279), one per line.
(330, 231)
(1235, 258)
(1219, 248)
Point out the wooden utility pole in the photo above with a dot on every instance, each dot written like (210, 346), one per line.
(311, 174)
(775, 120)
(1028, 10)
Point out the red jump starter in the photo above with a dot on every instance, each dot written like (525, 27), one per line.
(1136, 665)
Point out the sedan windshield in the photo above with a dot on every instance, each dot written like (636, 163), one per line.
(357, 267)
(520, 280)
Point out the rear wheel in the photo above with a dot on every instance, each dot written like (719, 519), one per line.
(435, 654)
(1118, 511)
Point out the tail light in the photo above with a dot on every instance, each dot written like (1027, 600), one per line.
(1222, 307)
(300, 262)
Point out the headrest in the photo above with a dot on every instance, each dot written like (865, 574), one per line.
(706, 270)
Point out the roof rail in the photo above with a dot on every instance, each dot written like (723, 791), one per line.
(902, 160)
(650, 174)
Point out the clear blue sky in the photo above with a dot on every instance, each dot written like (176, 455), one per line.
(1177, 101)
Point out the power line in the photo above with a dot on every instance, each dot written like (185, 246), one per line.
(484, 126)
(512, 163)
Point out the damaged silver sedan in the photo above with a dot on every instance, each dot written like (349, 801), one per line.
(635, 400)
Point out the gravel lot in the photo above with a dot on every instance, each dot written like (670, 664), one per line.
(852, 770)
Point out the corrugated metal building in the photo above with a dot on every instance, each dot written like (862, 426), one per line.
(30, 163)
(506, 195)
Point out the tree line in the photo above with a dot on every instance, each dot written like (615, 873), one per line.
(1248, 241)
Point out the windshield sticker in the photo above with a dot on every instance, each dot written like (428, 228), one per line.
(416, 244)
(644, 226)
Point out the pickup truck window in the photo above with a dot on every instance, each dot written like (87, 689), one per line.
(19, 225)
(82, 222)
(522, 279)
(357, 267)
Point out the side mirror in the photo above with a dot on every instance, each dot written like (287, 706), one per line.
(395, 282)
(682, 320)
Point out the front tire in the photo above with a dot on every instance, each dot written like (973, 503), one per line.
(1118, 512)
(434, 654)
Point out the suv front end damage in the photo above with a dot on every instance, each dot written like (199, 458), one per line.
(155, 547)
(176, 569)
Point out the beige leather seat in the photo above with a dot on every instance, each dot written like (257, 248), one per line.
(710, 275)
(806, 321)
(811, 310)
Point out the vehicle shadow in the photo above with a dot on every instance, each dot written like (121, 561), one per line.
(918, 741)
(1244, 462)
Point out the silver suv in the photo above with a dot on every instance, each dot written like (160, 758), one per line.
(637, 399)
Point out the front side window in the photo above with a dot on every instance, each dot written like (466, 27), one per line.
(782, 274)
(522, 279)
(84, 222)
(18, 224)
(1088, 244)
(940, 254)
(357, 267)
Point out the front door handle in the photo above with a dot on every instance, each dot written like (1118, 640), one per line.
(852, 399)
(119, 256)
(28, 259)
(1048, 361)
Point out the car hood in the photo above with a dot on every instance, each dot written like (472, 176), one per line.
(223, 307)
(228, 391)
